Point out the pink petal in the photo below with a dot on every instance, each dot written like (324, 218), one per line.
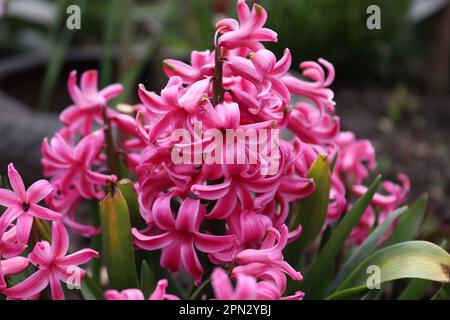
(73, 88)
(43, 213)
(211, 243)
(190, 215)
(14, 265)
(283, 65)
(152, 242)
(9, 216)
(24, 225)
(16, 183)
(162, 213)
(88, 81)
(221, 284)
(39, 190)
(264, 61)
(80, 257)
(191, 262)
(246, 288)
(60, 240)
(111, 91)
(8, 198)
(170, 257)
(211, 192)
(29, 287)
(178, 68)
(128, 294)
(55, 286)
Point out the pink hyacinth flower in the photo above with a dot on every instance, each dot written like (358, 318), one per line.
(175, 105)
(248, 32)
(88, 100)
(254, 261)
(71, 165)
(136, 294)
(202, 65)
(355, 157)
(53, 266)
(246, 288)
(181, 236)
(23, 204)
(264, 72)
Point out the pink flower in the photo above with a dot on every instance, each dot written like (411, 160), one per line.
(181, 236)
(175, 106)
(248, 32)
(246, 288)
(264, 72)
(71, 165)
(385, 203)
(53, 266)
(88, 101)
(67, 204)
(136, 294)
(23, 204)
(269, 256)
(202, 65)
(355, 157)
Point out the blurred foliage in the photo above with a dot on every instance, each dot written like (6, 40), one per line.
(135, 33)
(336, 30)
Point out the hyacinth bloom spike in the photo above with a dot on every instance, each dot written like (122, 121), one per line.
(23, 204)
(54, 265)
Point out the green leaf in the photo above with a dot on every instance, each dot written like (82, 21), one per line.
(365, 249)
(313, 209)
(118, 251)
(443, 293)
(319, 275)
(416, 289)
(148, 281)
(411, 259)
(90, 290)
(409, 223)
(129, 192)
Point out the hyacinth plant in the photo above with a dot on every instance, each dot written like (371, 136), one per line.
(179, 210)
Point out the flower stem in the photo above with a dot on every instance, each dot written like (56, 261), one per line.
(113, 160)
(217, 79)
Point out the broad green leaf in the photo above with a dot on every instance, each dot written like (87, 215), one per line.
(313, 209)
(411, 259)
(365, 249)
(318, 277)
(417, 288)
(409, 223)
(148, 281)
(90, 290)
(118, 251)
(130, 195)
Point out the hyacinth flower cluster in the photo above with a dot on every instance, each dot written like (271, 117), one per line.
(218, 219)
